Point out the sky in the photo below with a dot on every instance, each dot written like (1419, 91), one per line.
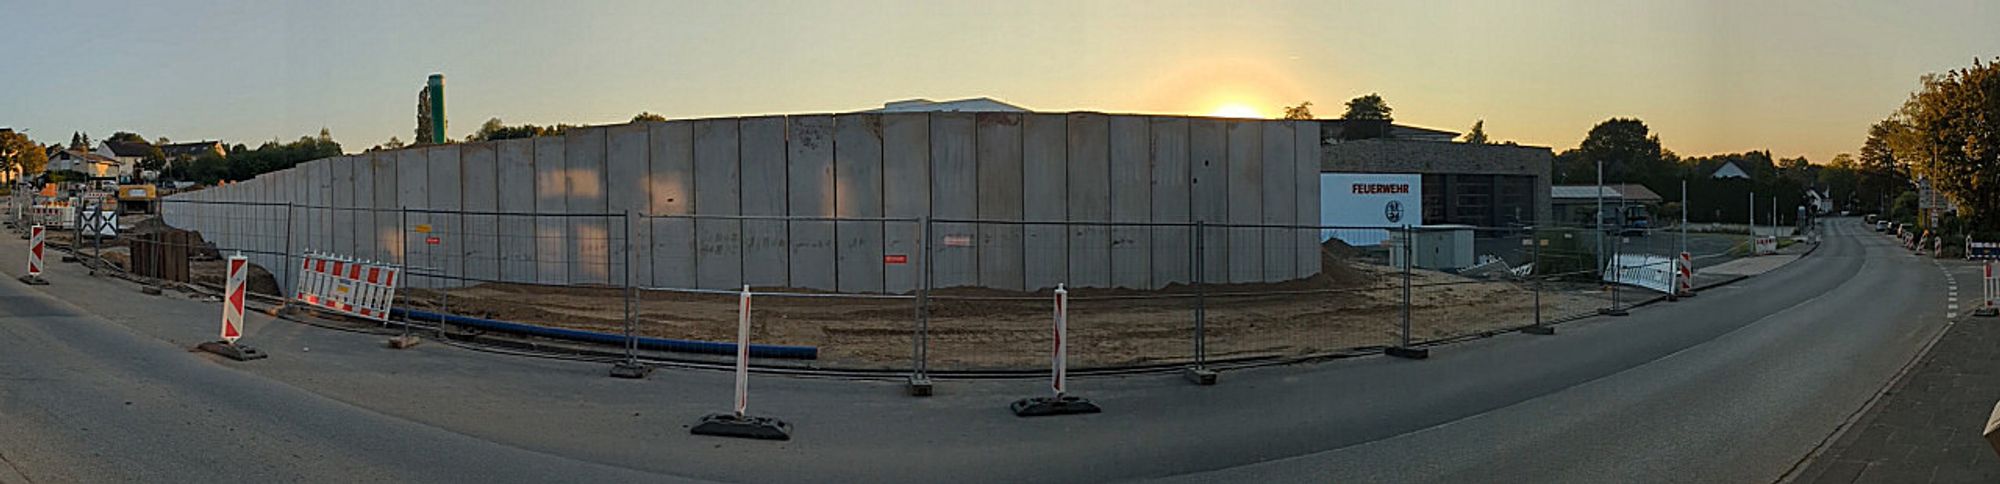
(1798, 78)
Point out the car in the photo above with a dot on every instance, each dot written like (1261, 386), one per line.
(1881, 226)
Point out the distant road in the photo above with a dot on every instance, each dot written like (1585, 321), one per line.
(1731, 386)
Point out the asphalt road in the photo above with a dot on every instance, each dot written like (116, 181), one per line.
(1734, 385)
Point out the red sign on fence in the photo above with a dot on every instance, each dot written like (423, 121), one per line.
(433, 240)
(895, 259)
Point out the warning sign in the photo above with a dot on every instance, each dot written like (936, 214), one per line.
(433, 240)
(895, 259)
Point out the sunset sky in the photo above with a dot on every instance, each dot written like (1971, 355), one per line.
(1794, 77)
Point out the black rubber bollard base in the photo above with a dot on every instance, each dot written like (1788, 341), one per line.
(1407, 352)
(1543, 330)
(232, 351)
(630, 370)
(34, 280)
(1057, 405)
(151, 291)
(920, 386)
(745, 427)
(1613, 312)
(70, 259)
(1199, 375)
(1986, 312)
(405, 342)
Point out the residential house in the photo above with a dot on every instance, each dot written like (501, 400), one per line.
(128, 156)
(189, 151)
(89, 163)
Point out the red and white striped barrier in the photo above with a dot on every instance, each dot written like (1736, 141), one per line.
(234, 294)
(36, 236)
(1686, 271)
(1767, 245)
(740, 423)
(1061, 352)
(1989, 290)
(359, 288)
(1062, 403)
(59, 217)
(743, 351)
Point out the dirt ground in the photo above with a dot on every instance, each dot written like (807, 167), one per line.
(1349, 305)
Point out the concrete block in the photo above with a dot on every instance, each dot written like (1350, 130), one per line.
(1246, 195)
(1131, 202)
(388, 233)
(717, 179)
(479, 195)
(954, 195)
(1305, 165)
(906, 155)
(448, 222)
(1172, 246)
(627, 170)
(857, 172)
(999, 182)
(342, 194)
(1208, 165)
(765, 245)
(1044, 197)
(589, 236)
(515, 194)
(1280, 201)
(552, 252)
(1089, 200)
(810, 188)
(672, 154)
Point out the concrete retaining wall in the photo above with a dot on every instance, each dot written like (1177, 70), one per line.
(554, 210)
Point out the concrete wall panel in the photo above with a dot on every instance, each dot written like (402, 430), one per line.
(1172, 248)
(364, 203)
(321, 198)
(1208, 164)
(1131, 201)
(589, 236)
(552, 251)
(1305, 169)
(515, 234)
(1246, 195)
(672, 153)
(718, 177)
(810, 189)
(1280, 201)
(341, 192)
(954, 195)
(1089, 200)
(857, 171)
(479, 194)
(388, 233)
(999, 182)
(906, 166)
(447, 256)
(627, 173)
(1044, 198)
(765, 245)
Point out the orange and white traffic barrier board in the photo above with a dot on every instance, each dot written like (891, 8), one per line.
(35, 248)
(1062, 403)
(358, 288)
(739, 423)
(234, 295)
(1989, 290)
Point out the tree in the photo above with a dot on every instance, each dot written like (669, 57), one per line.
(645, 116)
(1370, 107)
(19, 152)
(393, 143)
(1630, 152)
(127, 137)
(1301, 111)
(494, 129)
(1954, 139)
(79, 141)
(1478, 134)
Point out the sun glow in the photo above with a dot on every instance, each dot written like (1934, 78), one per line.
(1236, 110)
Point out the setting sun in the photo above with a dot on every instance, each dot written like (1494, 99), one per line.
(1236, 110)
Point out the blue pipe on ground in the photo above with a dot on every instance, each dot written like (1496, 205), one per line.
(660, 344)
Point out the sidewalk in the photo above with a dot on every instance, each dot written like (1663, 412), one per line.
(1927, 428)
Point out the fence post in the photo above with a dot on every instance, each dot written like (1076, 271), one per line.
(630, 368)
(403, 269)
(1200, 374)
(920, 378)
(291, 270)
(1617, 271)
(1535, 282)
(1402, 348)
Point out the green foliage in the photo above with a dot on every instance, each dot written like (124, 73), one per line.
(243, 164)
(643, 116)
(494, 129)
(67, 176)
(1478, 134)
(1572, 252)
(17, 151)
(1953, 138)
(1302, 111)
(1370, 107)
(1904, 209)
(127, 137)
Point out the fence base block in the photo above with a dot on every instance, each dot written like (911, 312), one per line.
(1618, 312)
(71, 259)
(1199, 375)
(405, 342)
(1540, 329)
(1407, 352)
(1986, 312)
(151, 291)
(744, 427)
(631, 370)
(232, 351)
(1056, 405)
(34, 280)
(920, 386)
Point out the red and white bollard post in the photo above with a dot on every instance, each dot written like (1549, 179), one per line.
(1062, 403)
(739, 423)
(1989, 289)
(233, 295)
(1686, 272)
(35, 248)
